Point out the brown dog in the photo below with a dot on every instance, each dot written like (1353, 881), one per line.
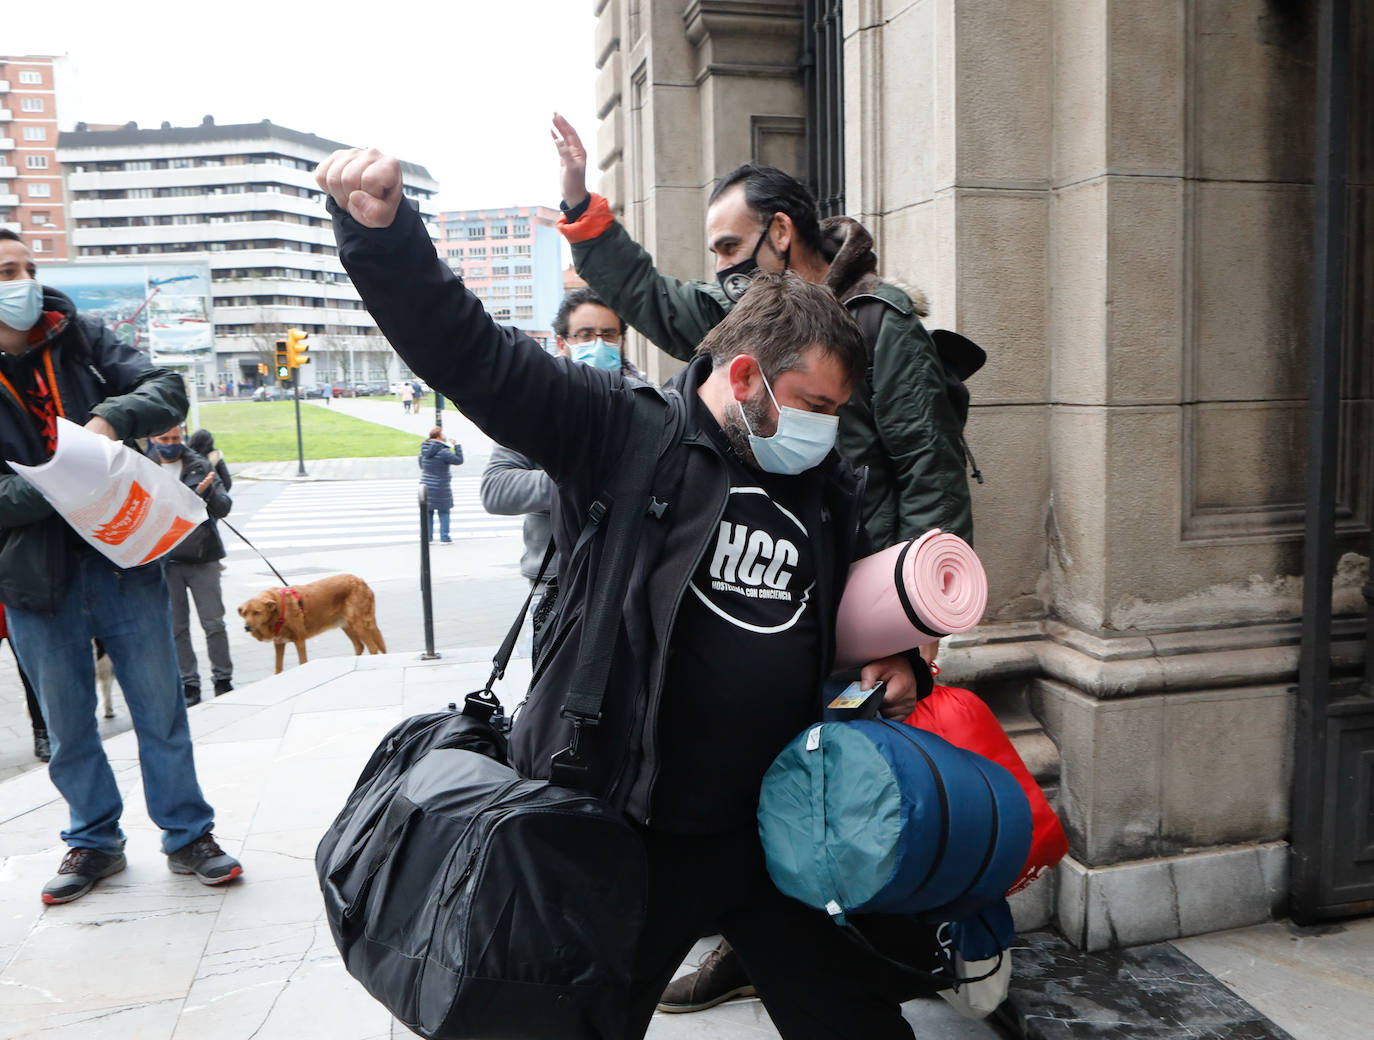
(293, 615)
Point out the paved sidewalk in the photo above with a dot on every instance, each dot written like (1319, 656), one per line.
(153, 955)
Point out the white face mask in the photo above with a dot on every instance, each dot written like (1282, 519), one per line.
(800, 442)
(21, 301)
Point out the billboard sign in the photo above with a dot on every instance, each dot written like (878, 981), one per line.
(160, 308)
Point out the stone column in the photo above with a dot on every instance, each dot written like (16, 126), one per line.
(1113, 197)
(687, 90)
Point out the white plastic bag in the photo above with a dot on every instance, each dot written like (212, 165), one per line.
(126, 505)
(979, 999)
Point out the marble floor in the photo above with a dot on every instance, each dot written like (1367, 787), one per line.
(156, 956)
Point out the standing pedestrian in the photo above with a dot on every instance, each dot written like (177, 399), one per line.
(194, 567)
(60, 593)
(407, 396)
(707, 683)
(590, 333)
(436, 460)
(202, 442)
(327, 392)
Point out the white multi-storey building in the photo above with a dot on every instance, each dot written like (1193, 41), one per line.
(242, 197)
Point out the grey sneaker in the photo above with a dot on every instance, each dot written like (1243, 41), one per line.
(80, 870)
(719, 977)
(206, 860)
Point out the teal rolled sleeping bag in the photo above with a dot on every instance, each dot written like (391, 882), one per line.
(880, 817)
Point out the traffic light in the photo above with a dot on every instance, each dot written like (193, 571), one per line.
(262, 369)
(283, 366)
(296, 348)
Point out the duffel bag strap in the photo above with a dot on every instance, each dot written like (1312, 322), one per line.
(627, 503)
(502, 658)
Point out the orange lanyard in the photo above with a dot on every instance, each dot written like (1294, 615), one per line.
(52, 386)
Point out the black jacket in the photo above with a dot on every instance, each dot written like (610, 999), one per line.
(203, 545)
(572, 420)
(95, 374)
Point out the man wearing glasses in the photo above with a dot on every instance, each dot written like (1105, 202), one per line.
(589, 333)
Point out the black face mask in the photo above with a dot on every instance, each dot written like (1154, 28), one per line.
(736, 278)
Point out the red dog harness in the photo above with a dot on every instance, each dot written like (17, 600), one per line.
(281, 614)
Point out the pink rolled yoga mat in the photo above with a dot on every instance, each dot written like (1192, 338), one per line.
(908, 595)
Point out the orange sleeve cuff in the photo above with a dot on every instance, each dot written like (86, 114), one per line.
(593, 223)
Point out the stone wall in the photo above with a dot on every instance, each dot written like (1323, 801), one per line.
(1114, 198)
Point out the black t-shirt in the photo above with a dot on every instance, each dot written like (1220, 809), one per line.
(744, 655)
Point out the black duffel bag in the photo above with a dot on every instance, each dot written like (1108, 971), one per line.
(472, 902)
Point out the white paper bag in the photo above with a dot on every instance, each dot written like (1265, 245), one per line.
(126, 505)
(980, 999)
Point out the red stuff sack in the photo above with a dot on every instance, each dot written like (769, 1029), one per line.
(962, 718)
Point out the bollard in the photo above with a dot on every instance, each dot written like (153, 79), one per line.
(426, 587)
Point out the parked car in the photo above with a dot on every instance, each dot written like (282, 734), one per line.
(343, 390)
(371, 388)
(268, 393)
(311, 391)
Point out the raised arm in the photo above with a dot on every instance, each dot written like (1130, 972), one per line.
(674, 314)
(566, 417)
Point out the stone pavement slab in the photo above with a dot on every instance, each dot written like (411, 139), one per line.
(1317, 982)
(1135, 993)
(154, 955)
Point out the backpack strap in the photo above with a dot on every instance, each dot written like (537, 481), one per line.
(959, 357)
(623, 509)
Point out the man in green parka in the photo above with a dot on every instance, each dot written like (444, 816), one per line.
(900, 422)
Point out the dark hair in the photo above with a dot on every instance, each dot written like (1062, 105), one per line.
(7, 233)
(575, 299)
(202, 442)
(767, 190)
(781, 317)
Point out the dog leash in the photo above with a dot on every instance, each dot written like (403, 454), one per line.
(250, 545)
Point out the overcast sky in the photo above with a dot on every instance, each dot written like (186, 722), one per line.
(465, 88)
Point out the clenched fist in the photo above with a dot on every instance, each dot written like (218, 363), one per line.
(364, 183)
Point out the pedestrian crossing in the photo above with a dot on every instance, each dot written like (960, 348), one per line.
(315, 516)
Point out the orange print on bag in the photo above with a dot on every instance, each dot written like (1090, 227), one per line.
(179, 527)
(126, 521)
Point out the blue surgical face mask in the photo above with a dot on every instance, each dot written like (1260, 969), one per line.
(801, 441)
(170, 451)
(598, 353)
(21, 301)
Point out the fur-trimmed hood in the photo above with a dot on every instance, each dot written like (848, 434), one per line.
(853, 265)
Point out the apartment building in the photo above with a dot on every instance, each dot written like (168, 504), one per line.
(243, 198)
(31, 197)
(512, 259)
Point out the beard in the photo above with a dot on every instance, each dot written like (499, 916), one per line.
(757, 412)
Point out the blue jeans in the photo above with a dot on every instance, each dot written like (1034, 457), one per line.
(131, 613)
(443, 524)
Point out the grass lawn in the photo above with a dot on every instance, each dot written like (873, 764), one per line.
(265, 431)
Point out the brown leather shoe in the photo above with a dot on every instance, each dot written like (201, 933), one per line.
(719, 977)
